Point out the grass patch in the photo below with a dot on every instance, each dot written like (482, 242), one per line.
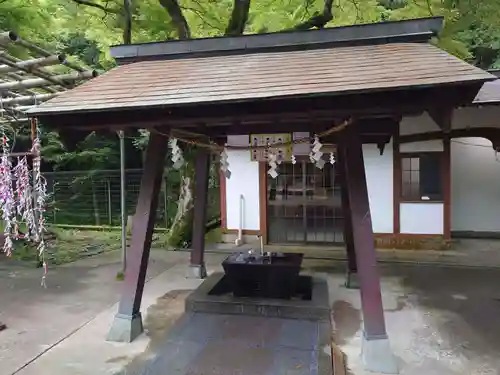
(161, 240)
(214, 236)
(68, 245)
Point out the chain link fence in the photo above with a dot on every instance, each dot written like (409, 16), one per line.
(92, 198)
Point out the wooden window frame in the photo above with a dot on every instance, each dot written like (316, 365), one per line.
(442, 161)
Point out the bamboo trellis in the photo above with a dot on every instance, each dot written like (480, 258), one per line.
(24, 84)
(27, 83)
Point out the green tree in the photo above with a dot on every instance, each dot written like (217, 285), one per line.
(238, 17)
(87, 28)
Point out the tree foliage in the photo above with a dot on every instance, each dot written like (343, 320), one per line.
(86, 29)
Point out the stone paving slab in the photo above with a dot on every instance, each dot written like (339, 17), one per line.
(212, 344)
(317, 308)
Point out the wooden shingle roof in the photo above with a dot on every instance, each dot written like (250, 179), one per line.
(257, 76)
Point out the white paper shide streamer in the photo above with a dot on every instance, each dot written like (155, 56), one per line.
(7, 202)
(224, 163)
(177, 157)
(273, 164)
(332, 158)
(40, 193)
(24, 203)
(316, 153)
(24, 196)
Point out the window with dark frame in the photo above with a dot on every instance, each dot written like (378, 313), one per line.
(422, 177)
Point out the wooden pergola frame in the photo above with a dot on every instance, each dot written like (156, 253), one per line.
(26, 83)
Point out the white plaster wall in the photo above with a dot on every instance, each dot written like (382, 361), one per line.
(476, 117)
(379, 179)
(417, 124)
(463, 118)
(421, 218)
(475, 186)
(244, 181)
(475, 191)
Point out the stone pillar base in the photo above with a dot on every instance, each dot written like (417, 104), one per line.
(377, 356)
(351, 280)
(197, 271)
(125, 328)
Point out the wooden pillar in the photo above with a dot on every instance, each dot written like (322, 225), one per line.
(127, 324)
(447, 188)
(352, 268)
(376, 352)
(202, 170)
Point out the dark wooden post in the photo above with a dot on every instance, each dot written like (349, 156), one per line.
(127, 324)
(376, 352)
(352, 267)
(202, 170)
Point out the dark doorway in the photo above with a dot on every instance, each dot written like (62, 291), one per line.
(304, 205)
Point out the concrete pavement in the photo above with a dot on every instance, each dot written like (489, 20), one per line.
(440, 320)
(39, 318)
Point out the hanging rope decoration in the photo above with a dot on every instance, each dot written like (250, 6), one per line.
(24, 196)
(315, 156)
(7, 203)
(26, 202)
(40, 193)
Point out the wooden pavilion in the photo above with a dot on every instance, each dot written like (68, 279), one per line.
(272, 83)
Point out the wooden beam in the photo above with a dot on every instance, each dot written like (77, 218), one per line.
(382, 104)
(223, 201)
(202, 169)
(128, 322)
(443, 117)
(376, 354)
(352, 268)
(397, 182)
(364, 242)
(446, 188)
(312, 125)
(492, 134)
(263, 209)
